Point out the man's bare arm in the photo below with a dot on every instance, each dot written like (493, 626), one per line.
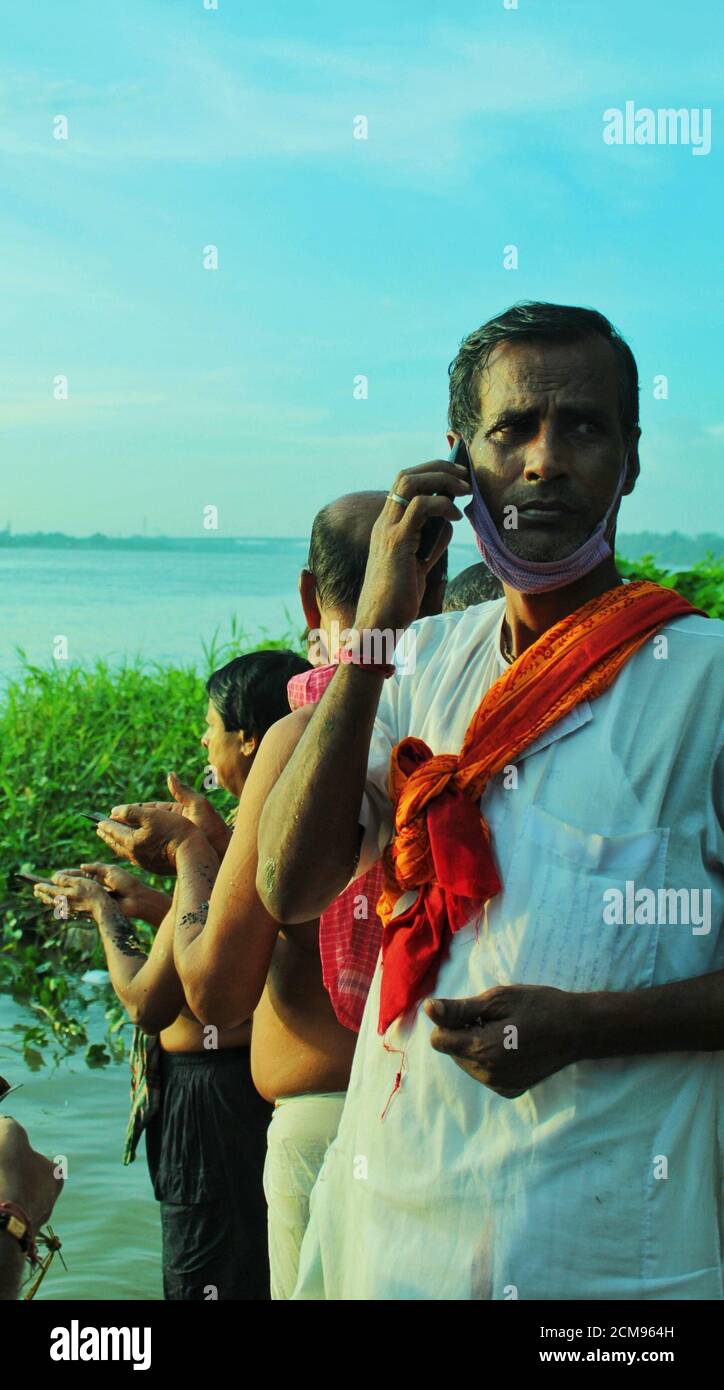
(555, 1028)
(28, 1180)
(308, 835)
(684, 1016)
(223, 948)
(146, 984)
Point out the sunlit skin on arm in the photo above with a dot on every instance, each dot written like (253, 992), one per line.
(147, 985)
(29, 1180)
(312, 814)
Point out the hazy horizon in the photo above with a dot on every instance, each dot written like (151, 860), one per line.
(461, 536)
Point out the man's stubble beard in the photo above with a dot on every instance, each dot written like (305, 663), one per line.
(546, 545)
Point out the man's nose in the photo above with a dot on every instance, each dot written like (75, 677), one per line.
(545, 456)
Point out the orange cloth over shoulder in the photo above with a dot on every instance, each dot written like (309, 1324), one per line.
(442, 844)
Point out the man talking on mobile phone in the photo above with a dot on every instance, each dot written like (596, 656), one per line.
(536, 1093)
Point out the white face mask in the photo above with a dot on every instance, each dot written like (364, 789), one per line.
(538, 576)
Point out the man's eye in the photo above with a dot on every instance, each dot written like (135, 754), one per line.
(587, 427)
(511, 428)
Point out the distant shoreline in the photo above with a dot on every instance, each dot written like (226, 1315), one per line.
(42, 540)
(674, 551)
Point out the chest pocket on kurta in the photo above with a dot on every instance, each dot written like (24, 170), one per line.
(563, 886)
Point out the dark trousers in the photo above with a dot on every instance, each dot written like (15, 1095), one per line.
(206, 1149)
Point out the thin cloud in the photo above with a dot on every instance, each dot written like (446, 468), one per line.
(276, 99)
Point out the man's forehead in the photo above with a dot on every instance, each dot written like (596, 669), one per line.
(523, 374)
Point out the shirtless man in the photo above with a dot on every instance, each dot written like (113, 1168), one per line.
(240, 961)
(193, 1093)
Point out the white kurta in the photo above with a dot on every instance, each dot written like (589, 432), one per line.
(604, 1181)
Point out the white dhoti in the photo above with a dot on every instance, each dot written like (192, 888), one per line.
(301, 1130)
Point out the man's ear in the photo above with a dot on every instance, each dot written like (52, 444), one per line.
(633, 468)
(248, 743)
(308, 596)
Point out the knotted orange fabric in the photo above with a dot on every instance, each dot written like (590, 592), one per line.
(442, 844)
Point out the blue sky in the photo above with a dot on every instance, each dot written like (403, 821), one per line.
(337, 257)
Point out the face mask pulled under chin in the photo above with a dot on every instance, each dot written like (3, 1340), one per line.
(538, 576)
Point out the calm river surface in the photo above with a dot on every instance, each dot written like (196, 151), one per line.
(106, 1215)
(158, 604)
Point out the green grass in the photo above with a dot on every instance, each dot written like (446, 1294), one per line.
(703, 584)
(73, 739)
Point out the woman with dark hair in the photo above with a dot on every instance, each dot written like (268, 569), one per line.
(246, 697)
(192, 1091)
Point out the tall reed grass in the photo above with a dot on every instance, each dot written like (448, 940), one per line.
(75, 739)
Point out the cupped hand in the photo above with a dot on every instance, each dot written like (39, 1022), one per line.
(129, 892)
(198, 809)
(83, 896)
(148, 838)
(192, 805)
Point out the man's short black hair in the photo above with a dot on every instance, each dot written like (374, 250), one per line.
(250, 692)
(527, 321)
(476, 584)
(337, 560)
(338, 557)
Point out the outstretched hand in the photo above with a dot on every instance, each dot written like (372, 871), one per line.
(192, 805)
(83, 897)
(129, 892)
(198, 809)
(146, 837)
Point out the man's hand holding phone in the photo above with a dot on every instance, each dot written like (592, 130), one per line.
(401, 549)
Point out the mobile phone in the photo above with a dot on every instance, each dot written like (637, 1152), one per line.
(432, 528)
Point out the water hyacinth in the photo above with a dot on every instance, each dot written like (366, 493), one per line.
(74, 739)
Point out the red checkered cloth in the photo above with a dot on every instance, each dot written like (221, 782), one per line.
(350, 932)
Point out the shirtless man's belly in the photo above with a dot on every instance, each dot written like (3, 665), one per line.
(298, 1046)
(301, 1058)
(186, 1034)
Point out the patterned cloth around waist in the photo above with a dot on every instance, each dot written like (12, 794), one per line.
(350, 932)
(145, 1061)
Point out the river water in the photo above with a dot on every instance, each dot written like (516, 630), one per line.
(158, 604)
(106, 1215)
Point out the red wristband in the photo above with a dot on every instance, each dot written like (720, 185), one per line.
(350, 655)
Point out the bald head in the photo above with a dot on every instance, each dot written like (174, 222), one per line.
(338, 551)
(353, 516)
(339, 547)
